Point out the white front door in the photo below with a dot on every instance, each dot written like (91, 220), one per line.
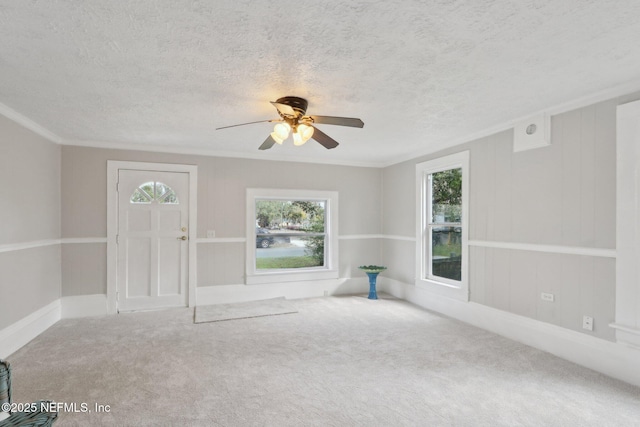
(153, 225)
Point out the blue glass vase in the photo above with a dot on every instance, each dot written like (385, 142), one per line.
(372, 285)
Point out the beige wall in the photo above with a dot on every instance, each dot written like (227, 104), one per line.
(222, 183)
(562, 195)
(30, 206)
(29, 212)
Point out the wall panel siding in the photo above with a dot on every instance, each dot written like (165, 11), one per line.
(587, 177)
(560, 195)
(569, 140)
(513, 281)
(479, 180)
(477, 274)
(605, 161)
(501, 219)
(548, 280)
(522, 283)
(604, 296)
(548, 169)
(501, 284)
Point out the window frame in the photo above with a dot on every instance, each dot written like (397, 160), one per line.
(328, 271)
(424, 279)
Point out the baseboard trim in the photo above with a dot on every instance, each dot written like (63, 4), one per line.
(225, 294)
(616, 360)
(15, 336)
(84, 306)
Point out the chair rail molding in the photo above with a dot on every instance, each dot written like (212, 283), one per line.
(10, 247)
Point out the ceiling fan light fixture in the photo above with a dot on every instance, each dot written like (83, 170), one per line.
(293, 120)
(297, 139)
(282, 131)
(277, 138)
(305, 131)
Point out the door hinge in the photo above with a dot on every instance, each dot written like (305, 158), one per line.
(117, 239)
(117, 296)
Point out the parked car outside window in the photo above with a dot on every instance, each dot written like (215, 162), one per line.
(261, 240)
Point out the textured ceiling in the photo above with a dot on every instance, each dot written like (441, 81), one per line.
(420, 74)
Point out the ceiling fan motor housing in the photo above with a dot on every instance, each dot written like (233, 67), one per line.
(298, 104)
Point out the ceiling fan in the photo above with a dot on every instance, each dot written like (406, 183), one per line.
(293, 118)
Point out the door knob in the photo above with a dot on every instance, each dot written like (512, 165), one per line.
(182, 238)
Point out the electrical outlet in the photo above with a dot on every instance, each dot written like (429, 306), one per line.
(546, 297)
(211, 234)
(587, 323)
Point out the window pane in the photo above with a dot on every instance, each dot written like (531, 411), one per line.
(291, 215)
(148, 188)
(161, 189)
(446, 247)
(169, 198)
(290, 234)
(140, 197)
(290, 252)
(446, 190)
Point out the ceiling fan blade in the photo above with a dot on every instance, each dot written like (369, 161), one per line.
(325, 140)
(250, 123)
(268, 143)
(284, 109)
(340, 121)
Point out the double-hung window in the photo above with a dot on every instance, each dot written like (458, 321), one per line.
(442, 225)
(291, 235)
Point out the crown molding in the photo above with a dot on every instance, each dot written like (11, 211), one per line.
(603, 95)
(11, 114)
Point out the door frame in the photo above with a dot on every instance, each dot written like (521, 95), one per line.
(113, 168)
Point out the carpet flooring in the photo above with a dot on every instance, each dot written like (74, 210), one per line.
(341, 361)
(244, 310)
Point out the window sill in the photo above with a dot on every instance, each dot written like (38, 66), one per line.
(292, 276)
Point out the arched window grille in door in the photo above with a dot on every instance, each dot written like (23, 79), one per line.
(151, 191)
